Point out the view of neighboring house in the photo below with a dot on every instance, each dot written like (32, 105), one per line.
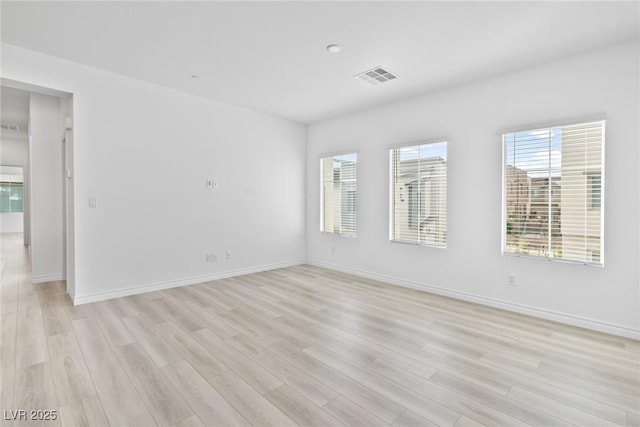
(420, 200)
(544, 212)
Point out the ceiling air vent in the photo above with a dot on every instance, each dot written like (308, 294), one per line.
(375, 76)
(10, 127)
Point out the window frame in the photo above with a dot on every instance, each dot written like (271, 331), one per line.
(547, 126)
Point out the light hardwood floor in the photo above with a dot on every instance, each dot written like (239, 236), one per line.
(301, 346)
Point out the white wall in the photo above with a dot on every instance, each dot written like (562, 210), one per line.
(152, 226)
(11, 223)
(15, 152)
(471, 117)
(47, 220)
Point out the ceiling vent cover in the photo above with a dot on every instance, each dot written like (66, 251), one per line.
(9, 127)
(375, 76)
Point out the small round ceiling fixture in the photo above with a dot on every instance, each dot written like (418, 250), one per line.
(333, 48)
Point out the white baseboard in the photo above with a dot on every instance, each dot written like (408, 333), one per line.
(569, 319)
(47, 278)
(158, 286)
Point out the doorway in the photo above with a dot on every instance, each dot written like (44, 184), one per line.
(47, 186)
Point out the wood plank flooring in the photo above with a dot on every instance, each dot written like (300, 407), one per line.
(300, 346)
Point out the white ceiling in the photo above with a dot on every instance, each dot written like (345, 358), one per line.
(271, 57)
(14, 110)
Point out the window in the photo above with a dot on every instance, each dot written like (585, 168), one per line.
(419, 194)
(339, 202)
(11, 192)
(553, 192)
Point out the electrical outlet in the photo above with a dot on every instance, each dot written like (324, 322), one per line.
(511, 280)
(211, 257)
(228, 254)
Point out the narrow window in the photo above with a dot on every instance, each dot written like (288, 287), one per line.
(339, 199)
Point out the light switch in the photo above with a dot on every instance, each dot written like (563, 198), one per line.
(93, 203)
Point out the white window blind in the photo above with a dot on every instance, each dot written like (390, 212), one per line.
(553, 192)
(419, 194)
(339, 202)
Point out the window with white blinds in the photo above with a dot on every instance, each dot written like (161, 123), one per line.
(419, 194)
(553, 192)
(339, 201)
